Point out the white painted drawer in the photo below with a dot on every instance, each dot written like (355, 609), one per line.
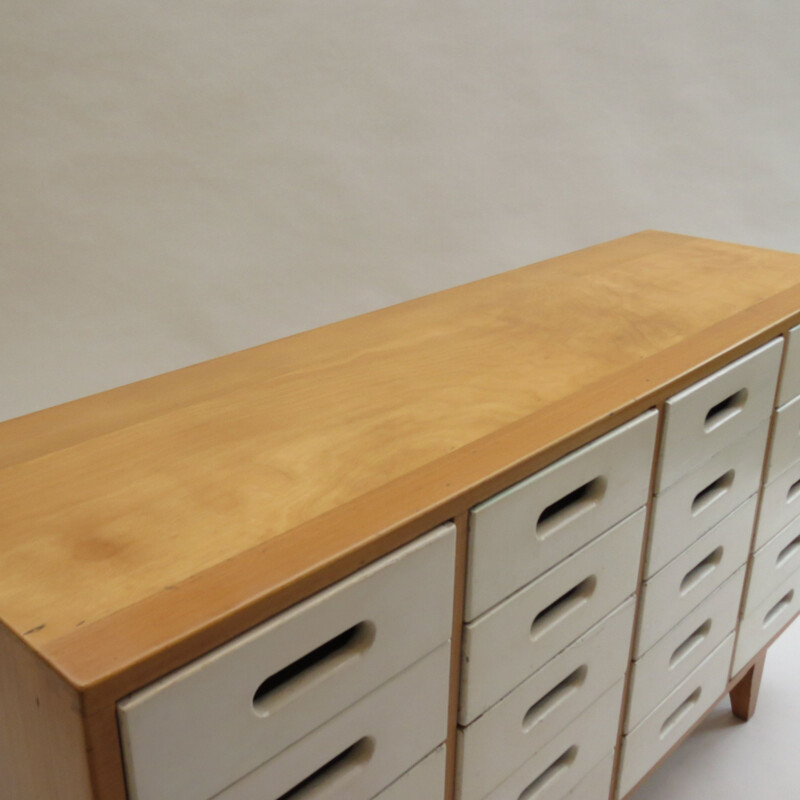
(717, 411)
(425, 781)
(204, 726)
(514, 639)
(555, 770)
(693, 505)
(790, 380)
(773, 564)
(780, 504)
(766, 620)
(682, 650)
(596, 785)
(660, 730)
(785, 440)
(520, 533)
(363, 749)
(501, 740)
(686, 581)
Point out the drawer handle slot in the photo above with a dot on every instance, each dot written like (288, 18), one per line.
(692, 641)
(794, 491)
(716, 489)
(336, 771)
(310, 669)
(570, 507)
(554, 698)
(700, 572)
(680, 712)
(725, 410)
(561, 608)
(551, 774)
(788, 551)
(778, 608)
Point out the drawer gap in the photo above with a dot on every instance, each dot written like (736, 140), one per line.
(713, 492)
(778, 608)
(336, 771)
(550, 775)
(571, 506)
(698, 573)
(724, 410)
(681, 711)
(689, 644)
(313, 667)
(562, 607)
(554, 698)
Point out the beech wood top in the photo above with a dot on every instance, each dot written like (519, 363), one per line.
(144, 525)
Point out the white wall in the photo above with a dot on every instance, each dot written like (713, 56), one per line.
(181, 180)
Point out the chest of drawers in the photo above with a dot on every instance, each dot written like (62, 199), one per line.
(513, 540)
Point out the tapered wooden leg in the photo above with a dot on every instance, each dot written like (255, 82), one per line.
(744, 695)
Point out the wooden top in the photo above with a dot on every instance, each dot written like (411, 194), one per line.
(149, 523)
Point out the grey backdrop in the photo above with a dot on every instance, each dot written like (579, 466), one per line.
(180, 180)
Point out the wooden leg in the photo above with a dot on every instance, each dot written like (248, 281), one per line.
(745, 694)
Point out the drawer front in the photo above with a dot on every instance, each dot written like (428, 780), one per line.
(663, 728)
(773, 564)
(204, 726)
(790, 380)
(766, 620)
(425, 781)
(675, 655)
(558, 768)
(686, 581)
(683, 513)
(514, 639)
(524, 721)
(718, 411)
(785, 439)
(366, 747)
(779, 506)
(520, 533)
(596, 785)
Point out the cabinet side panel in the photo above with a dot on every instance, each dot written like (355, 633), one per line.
(42, 746)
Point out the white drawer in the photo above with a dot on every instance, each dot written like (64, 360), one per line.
(686, 581)
(773, 564)
(363, 749)
(660, 730)
(520, 533)
(717, 411)
(780, 504)
(790, 380)
(204, 726)
(425, 781)
(502, 739)
(693, 505)
(596, 785)
(559, 767)
(675, 655)
(514, 639)
(766, 620)
(785, 440)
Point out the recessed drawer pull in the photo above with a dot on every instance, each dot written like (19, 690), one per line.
(778, 608)
(697, 573)
(713, 492)
(313, 667)
(561, 608)
(681, 711)
(554, 698)
(725, 410)
(794, 491)
(551, 774)
(570, 507)
(788, 551)
(336, 771)
(689, 644)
